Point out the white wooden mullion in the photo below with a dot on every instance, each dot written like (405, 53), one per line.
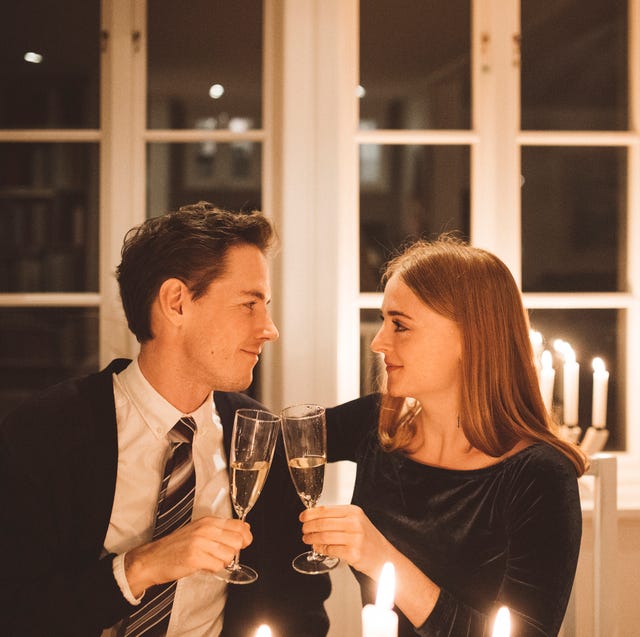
(200, 135)
(577, 138)
(631, 341)
(117, 211)
(51, 135)
(50, 299)
(271, 39)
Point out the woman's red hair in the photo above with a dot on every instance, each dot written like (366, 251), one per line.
(500, 402)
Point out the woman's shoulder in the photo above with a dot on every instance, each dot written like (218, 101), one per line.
(540, 464)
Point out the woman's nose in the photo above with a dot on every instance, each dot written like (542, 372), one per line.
(377, 344)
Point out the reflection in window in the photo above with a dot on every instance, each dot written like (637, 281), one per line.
(574, 65)
(573, 211)
(226, 174)
(50, 64)
(372, 372)
(415, 64)
(48, 217)
(408, 192)
(42, 346)
(591, 333)
(204, 63)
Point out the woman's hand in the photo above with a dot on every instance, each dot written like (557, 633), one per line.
(346, 532)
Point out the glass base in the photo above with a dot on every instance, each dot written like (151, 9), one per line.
(308, 564)
(238, 574)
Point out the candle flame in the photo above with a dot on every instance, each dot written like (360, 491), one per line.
(502, 624)
(569, 354)
(598, 365)
(546, 359)
(386, 587)
(536, 337)
(263, 631)
(559, 345)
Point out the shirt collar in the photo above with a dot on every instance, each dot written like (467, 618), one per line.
(157, 412)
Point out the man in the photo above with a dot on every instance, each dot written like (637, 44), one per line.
(82, 464)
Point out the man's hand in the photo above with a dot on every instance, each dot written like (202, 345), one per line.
(207, 544)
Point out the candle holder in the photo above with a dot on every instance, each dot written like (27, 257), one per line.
(594, 440)
(570, 433)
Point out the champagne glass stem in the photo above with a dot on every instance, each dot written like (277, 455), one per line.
(233, 564)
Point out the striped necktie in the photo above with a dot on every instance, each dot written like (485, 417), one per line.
(175, 505)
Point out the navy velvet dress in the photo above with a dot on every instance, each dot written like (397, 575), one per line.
(508, 534)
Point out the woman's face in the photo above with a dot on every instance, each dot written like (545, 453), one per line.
(421, 348)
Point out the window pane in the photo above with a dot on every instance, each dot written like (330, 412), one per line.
(371, 364)
(574, 65)
(41, 346)
(415, 64)
(573, 219)
(48, 217)
(59, 87)
(408, 192)
(227, 175)
(590, 333)
(196, 47)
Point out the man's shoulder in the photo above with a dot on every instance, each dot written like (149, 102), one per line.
(53, 402)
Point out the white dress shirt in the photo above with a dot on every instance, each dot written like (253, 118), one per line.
(144, 418)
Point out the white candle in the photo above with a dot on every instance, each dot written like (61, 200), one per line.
(263, 631)
(570, 378)
(536, 344)
(380, 620)
(547, 379)
(502, 624)
(600, 384)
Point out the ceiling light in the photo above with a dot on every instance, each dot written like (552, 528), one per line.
(216, 91)
(34, 58)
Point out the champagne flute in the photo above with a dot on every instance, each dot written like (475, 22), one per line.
(252, 445)
(304, 431)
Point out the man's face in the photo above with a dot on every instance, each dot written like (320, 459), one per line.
(225, 330)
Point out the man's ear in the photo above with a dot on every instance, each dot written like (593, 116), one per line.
(172, 296)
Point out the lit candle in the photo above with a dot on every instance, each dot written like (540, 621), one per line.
(380, 620)
(502, 624)
(570, 378)
(600, 384)
(263, 631)
(547, 379)
(536, 343)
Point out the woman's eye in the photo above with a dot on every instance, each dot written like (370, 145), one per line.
(399, 327)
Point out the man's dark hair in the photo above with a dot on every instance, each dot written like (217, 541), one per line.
(189, 244)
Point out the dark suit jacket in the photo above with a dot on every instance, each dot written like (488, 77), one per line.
(58, 464)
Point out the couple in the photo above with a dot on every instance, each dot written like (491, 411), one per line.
(460, 481)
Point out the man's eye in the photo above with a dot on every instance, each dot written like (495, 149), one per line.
(250, 305)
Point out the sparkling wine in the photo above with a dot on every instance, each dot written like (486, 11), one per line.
(247, 480)
(307, 474)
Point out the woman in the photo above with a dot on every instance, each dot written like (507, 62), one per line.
(461, 482)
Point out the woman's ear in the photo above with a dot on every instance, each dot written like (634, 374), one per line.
(172, 296)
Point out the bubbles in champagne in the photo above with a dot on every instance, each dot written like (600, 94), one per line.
(247, 480)
(307, 474)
